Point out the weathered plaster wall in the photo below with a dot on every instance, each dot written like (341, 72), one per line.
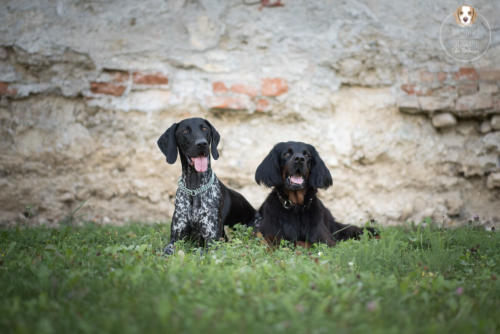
(87, 87)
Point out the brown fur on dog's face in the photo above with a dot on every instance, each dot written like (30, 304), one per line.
(465, 15)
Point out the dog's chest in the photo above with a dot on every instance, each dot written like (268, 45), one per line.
(299, 224)
(194, 209)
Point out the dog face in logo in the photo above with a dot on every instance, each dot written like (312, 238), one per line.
(465, 15)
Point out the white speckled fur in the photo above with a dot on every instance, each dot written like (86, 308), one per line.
(197, 216)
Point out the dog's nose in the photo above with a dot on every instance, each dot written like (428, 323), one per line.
(298, 158)
(201, 143)
(465, 19)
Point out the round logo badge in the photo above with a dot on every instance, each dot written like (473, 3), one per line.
(465, 35)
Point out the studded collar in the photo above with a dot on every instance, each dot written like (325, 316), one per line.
(199, 190)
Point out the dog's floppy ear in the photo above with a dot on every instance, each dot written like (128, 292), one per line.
(473, 19)
(457, 15)
(320, 176)
(215, 141)
(168, 144)
(268, 172)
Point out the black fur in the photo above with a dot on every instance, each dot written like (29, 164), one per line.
(200, 217)
(307, 221)
(168, 142)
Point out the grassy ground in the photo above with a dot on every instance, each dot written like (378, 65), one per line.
(99, 279)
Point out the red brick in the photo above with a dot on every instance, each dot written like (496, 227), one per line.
(262, 105)
(422, 91)
(5, 90)
(229, 102)
(408, 89)
(150, 78)
(107, 88)
(219, 87)
(412, 89)
(426, 76)
(274, 86)
(244, 89)
(489, 74)
(270, 3)
(466, 73)
(441, 76)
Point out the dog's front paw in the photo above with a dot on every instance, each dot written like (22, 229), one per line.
(169, 249)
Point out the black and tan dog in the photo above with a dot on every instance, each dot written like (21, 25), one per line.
(203, 204)
(292, 211)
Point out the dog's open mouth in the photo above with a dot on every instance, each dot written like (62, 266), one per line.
(296, 179)
(200, 163)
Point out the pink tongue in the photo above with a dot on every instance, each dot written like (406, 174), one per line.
(296, 179)
(200, 164)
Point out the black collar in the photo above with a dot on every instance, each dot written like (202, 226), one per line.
(289, 205)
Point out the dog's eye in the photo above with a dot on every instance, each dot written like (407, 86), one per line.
(469, 12)
(204, 128)
(185, 131)
(306, 154)
(461, 12)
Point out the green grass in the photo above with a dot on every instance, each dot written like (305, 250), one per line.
(98, 279)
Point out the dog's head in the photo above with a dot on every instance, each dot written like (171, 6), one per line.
(465, 15)
(193, 138)
(295, 166)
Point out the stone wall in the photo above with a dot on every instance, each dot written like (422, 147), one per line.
(87, 88)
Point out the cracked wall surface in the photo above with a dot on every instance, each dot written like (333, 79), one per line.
(87, 88)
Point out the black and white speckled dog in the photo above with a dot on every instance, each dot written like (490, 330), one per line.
(203, 204)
